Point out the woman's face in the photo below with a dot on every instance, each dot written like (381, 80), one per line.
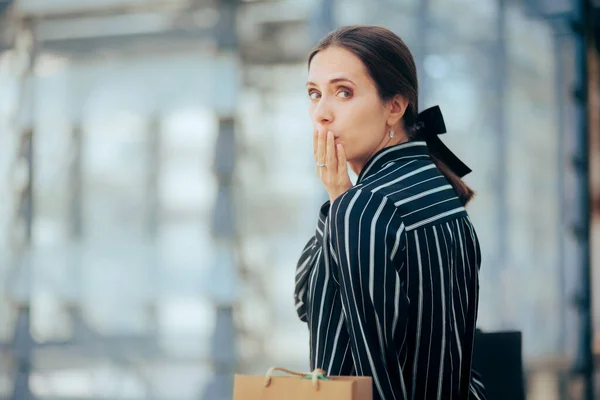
(345, 100)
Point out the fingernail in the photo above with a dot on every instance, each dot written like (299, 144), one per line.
(329, 135)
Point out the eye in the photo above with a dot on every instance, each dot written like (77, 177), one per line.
(313, 94)
(345, 94)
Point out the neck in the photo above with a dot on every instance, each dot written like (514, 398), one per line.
(359, 164)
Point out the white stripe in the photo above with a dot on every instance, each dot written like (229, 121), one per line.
(443, 352)
(423, 194)
(397, 242)
(476, 382)
(332, 253)
(403, 177)
(418, 183)
(452, 247)
(432, 301)
(464, 268)
(380, 176)
(319, 230)
(435, 218)
(474, 239)
(320, 320)
(301, 294)
(324, 288)
(372, 248)
(343, 362)
(385, 292)
(314, 260)
(391, 149)
(309, 248)
(335, 342)
(396, 307)
(429, 206)
(419, 315)
(407, 290)
(322, 219)
(331, 310)
(396, 304)
(466, 261)
(474, 392)
(301, 269)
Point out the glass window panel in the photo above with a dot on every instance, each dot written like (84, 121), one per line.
(6, 381)
(185, 325)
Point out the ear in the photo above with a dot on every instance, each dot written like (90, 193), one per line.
(397, 107)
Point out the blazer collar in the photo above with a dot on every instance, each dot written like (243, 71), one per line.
(404, 151)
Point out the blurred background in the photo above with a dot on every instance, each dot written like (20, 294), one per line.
(157, 184)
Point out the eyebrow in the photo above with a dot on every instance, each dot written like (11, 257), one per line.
(335, 80)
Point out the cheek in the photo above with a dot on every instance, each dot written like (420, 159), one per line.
(366, 126)
(364, 120)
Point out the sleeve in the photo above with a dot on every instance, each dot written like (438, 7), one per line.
(312, 255)
(366, 234)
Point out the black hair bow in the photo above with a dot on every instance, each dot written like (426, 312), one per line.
(430, 124)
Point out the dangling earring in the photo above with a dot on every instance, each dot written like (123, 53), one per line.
(392, 133)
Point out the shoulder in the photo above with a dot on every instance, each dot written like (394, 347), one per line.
(393, 183)
(359, 204)
(397, 180)
(417, 191)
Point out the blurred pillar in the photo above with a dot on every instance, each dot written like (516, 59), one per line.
(560, 38)
(421, 50)
(499, 126)
(75, 222)
(584, 362)
(22, 342)
(594, 113)
(75, 184)
(322, 20)
(153, 167)
(153, 210)
(22, 348)
(223, 277)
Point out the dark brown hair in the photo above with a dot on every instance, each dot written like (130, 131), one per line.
(390, 64)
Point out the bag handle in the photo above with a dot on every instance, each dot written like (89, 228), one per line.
(317, 374)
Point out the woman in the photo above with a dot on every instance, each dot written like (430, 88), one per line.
(388, 285)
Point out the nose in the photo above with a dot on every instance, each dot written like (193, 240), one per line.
(323, 114)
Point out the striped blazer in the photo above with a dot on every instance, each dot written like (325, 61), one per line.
(389, 283)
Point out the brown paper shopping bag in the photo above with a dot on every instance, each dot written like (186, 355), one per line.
(314, 386)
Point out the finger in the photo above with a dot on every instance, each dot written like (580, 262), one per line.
(320, 151)
(341, 158)
(331, 158)
(321, 147)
